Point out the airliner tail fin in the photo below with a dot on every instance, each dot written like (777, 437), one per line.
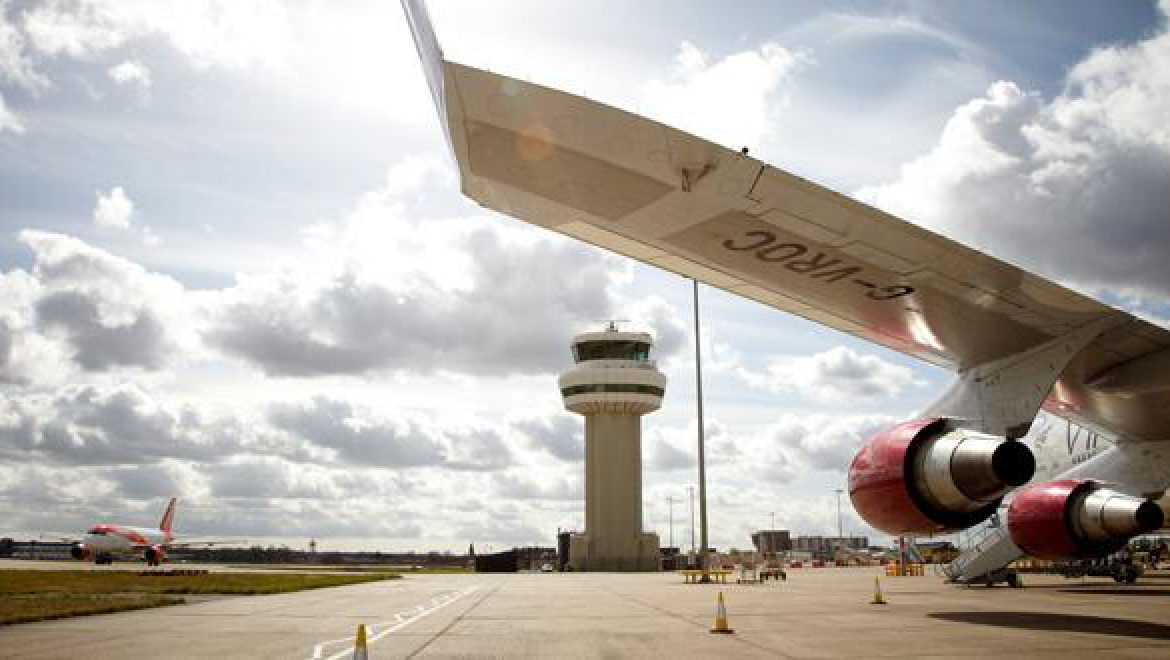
(168, 517)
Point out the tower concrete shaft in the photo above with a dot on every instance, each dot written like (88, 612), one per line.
(613, 384)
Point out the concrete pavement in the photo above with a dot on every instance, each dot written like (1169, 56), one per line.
(817, 613)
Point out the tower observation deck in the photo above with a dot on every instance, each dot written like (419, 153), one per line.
(613, 384)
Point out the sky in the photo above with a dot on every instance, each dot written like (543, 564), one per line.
(235, 266)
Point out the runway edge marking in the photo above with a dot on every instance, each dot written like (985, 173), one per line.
(401, 620)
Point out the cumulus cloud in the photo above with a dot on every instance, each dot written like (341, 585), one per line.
(116, 447)
(790, 448)
(99, 346)
(83, 307)
(667, 454)
(158, 482)
(73, 29)
(396, 288)
(26, 357)
(656, 316)
(731, 100)
(479, 449)
(456, 298)
(110, 312)
(1074, 187)
(131, 73)
(359, 437)
(823, 442)
(523, 303)
(242, 498)
(561, 436)
(16, 67)
(113, 209)
(356, 438)
(207, 32)
(517, 487)
(123, 443)
(92, 425)
(838, 374)
(672, 448)
(267, 477)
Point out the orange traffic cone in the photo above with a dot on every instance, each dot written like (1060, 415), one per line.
(360, 652)
(878, 599)
(721, 618)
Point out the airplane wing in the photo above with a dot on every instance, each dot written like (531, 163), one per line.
(673, 200)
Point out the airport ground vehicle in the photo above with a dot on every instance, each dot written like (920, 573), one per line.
(1006, 575)
(1120, 568)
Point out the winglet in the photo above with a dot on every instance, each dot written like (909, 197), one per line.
(429, 53)
(168, 517)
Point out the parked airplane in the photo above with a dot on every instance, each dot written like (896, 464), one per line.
(105, 540)
(1018, 342)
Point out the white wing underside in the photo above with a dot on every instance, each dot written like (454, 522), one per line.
(673, 200)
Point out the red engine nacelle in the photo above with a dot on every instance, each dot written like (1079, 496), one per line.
(154, 555)
(928, 476)
(79, 551)
(1076, 518)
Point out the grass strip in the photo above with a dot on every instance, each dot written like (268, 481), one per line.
(27, 608)
(29, 595)
(108, 582)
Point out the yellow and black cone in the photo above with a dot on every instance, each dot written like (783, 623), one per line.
(878, 598)
(360, 652)
(721, 618)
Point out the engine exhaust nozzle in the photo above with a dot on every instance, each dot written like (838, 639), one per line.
(964, 469)
(1106, 515)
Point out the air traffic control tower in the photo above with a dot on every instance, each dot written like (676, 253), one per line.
(613, 384)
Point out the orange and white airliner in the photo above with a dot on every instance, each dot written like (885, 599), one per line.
(105, 540)
(1018, 343)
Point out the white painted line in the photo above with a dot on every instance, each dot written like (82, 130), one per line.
(400, 621)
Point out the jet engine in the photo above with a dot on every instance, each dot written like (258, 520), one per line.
(929, 476)
(1076, 518)
(154, 555)
(79, 551)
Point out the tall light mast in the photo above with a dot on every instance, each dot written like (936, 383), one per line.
(702, 460)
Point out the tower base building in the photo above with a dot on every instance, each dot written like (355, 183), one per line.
(613, 384)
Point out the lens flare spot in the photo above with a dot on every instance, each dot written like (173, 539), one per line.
(536, 142)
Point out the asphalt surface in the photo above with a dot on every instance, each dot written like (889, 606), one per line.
(817, 613)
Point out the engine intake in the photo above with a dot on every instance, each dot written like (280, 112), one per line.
(1075, 518)
(79, 551)
(928, 476)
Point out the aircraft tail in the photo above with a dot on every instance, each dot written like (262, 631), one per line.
(169, 517)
